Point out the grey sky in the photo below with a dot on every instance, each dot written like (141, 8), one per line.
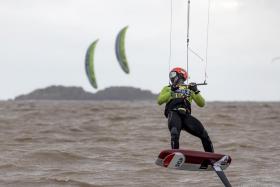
(44, 43)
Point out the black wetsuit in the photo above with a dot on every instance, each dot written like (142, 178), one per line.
(178, 120)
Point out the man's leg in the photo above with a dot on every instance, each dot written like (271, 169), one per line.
(194, 127)
(174, 125)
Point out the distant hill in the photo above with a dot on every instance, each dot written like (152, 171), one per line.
(78, 93)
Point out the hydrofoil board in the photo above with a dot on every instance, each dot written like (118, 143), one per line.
(195, 161)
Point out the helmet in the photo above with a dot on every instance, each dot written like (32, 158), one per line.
(178, 74)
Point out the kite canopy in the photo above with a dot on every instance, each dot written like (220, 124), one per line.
(120, 50)
(89, 64)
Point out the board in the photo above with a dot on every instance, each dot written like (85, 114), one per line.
(191, 160)
(195, 161)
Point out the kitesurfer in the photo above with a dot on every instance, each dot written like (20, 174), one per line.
(178, 98)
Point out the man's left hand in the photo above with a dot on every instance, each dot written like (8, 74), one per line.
(192, 86)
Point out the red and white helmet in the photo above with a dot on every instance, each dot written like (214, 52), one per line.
(177, 74)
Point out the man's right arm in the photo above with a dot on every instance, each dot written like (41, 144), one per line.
(164, 96)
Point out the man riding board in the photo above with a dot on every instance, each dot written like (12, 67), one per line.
(178, 98)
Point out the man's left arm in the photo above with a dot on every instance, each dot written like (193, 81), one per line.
(198, 99)
(196, 96)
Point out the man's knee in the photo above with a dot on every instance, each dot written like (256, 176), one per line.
(174, 132)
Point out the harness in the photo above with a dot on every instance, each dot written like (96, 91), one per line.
(181, 105)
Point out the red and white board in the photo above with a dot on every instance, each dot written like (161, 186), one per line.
(192, 160)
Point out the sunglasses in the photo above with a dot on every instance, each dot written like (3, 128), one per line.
(172, 74)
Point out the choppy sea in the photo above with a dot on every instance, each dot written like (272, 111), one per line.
(114, 143)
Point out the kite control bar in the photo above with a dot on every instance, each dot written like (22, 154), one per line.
(200, 84)
(197, 84)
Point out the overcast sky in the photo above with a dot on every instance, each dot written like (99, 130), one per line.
(43, 43)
